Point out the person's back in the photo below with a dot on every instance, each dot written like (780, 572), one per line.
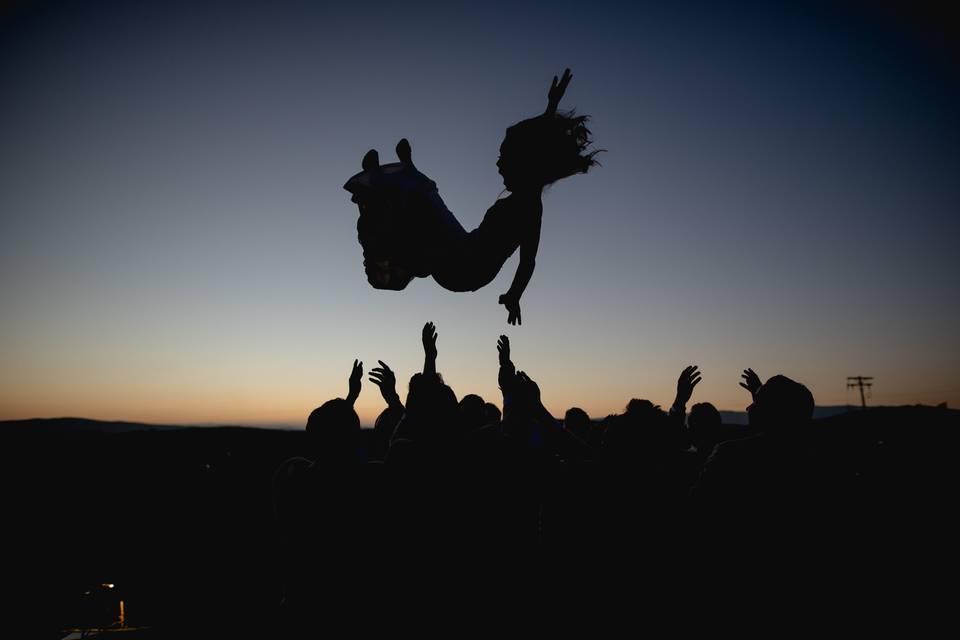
(775, 491)
(324, 505)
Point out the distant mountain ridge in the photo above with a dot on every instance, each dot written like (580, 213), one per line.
(84, 424)
(105, 426)
(740, 417)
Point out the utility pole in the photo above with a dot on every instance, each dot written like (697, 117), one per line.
(861, 382)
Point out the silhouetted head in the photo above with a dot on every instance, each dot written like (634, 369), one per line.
(432, 411)
(639, 408)
(781, 405)
(333, 430)
(577, 422)
(704, 417)
(472, 412)
(492, 413)
(644, 431)
(539, 151)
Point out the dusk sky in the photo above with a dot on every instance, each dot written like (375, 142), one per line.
(779, 191)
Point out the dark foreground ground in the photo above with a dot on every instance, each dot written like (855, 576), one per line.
(181, 521)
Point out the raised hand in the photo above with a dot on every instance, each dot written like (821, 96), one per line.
(513, 308)
(751, 381)
(384, 378)
(557, 89)
(503, 348)
(689, 378)
(356, 376)
(429, 338)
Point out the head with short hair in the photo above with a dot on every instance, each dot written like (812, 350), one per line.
(577, 421)
(472, 411)
(704, 417)
(492, 413)
(781, 404)
(644, 430)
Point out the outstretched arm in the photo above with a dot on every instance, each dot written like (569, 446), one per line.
(689, 378)
(356, 377)
(557, 89)
(751, 382)
(384, 378)
(555, 437)
(507, 375)
(528, 262)
(429, 338)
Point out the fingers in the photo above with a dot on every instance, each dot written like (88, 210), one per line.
(384, 366)
(430, 333)
(745, 386)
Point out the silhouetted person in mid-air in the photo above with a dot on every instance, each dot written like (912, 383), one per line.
(407, 231)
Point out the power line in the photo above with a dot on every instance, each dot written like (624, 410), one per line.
(863, 383)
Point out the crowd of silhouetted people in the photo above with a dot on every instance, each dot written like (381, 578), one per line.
(455, 514)
(453, 495)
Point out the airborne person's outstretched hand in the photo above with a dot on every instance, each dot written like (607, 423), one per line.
(557, 89)
(513, 308)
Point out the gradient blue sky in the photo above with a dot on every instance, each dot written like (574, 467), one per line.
(779, 191)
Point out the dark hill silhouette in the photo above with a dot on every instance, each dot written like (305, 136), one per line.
(83, 424)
